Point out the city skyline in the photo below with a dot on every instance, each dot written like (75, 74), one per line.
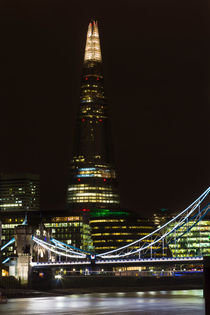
(155, 83)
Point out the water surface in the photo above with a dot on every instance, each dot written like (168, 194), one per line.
(153, 302)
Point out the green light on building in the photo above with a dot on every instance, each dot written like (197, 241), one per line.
(107, 212)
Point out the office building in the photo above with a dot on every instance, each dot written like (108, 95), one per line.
(19, 193)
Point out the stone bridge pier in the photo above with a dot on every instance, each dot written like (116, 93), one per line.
(24, 248)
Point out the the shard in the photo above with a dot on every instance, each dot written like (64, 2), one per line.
(92, 183)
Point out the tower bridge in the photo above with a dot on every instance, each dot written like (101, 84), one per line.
(169, 234)
(41, 251)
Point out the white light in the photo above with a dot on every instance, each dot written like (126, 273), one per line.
(58, 277)
(92, 49)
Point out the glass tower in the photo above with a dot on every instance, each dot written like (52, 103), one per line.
(92, 181)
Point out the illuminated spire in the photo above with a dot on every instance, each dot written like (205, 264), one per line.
(92, 48)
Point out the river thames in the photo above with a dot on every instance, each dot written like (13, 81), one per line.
(153, 302)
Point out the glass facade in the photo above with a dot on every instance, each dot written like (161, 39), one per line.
(70, 229)
(194, 243)
(92, 178)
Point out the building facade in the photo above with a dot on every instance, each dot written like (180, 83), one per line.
(194, 243)
(69, 228)
(19, 201)
(19, 193)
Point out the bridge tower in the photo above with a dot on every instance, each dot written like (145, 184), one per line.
(23, 243)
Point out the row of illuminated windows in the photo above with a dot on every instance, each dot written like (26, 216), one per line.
(192, 238)
(87, 187)
(95, 114)
(92, 94)
(90, 91)
(201, 223)
(198, 225)
(91, 194)
(187, 251)
(108, 220)
(73, 233)
(184, 255)
(110, 227)
(201, 228)
(120, 227)
(120, 233)
(92, 112)
(96, 196)
(10, 205)
(195, 238)
(90, 85)
(127, 227)
(194, 229)
(141, 227)
(97, 173)
(9, 198)
(79, 158)
(191, 254)
(94, 200)
(9, 226)
(196, 234)
(190, 245)
(62, 219)
(88, 111)
(65, 236)
(92, 197)
(63, 224)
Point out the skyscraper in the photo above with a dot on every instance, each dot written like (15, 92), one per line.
(92, 187)
(92, 181)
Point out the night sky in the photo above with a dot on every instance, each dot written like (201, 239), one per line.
(155, 67)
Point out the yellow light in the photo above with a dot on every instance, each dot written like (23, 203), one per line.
(4, 273)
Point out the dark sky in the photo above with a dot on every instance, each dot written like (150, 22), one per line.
(155, 66)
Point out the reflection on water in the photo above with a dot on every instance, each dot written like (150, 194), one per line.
(153, 302)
